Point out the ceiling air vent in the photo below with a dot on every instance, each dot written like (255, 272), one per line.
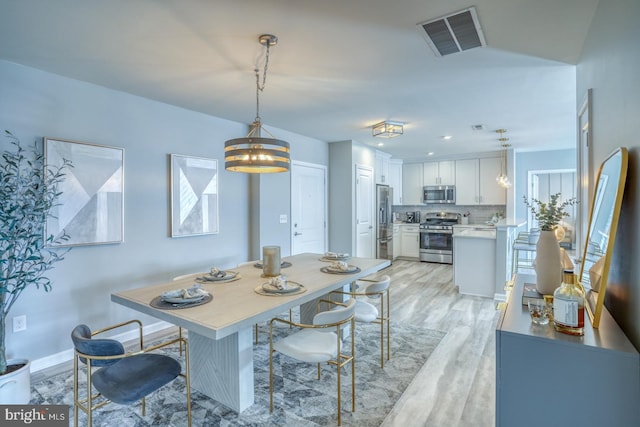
(454, 33)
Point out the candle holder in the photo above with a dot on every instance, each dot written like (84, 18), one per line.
(271, 261)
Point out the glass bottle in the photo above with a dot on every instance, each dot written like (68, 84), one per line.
(568, 306)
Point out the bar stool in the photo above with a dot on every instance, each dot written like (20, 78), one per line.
(522, 244)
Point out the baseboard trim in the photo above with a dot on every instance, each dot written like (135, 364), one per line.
(67, 355)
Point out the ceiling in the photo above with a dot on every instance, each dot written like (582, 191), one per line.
(339, 67)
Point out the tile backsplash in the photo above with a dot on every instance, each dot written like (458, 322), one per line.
(477, 214)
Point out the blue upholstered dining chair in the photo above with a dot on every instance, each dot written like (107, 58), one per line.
(317, 343)
(119, 376)
(367, 312)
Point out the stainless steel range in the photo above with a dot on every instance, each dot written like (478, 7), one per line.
(436, 237)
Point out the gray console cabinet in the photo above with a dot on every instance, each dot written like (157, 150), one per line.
(546, 378)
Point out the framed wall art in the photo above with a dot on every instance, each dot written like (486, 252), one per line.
(194, 196)
(91, 208)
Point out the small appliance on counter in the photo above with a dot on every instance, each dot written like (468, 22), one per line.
(413, 217)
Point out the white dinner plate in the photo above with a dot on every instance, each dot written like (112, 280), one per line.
(228, 275)
(180, 300)
(291, 287)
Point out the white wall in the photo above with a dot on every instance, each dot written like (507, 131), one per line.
(34, 104)
(610, 65)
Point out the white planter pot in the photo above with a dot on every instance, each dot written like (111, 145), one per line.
(548, 263)
(15, 387)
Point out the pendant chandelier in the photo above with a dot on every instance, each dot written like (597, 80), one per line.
(255, 153)
(503, 179)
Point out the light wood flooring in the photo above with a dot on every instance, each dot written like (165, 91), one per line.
(456, 387)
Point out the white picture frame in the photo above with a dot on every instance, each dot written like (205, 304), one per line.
(194, 196)
(90, 210)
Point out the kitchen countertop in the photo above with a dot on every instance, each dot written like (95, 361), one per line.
(475, 232)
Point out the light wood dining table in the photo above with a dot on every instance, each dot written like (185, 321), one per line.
(221, 331)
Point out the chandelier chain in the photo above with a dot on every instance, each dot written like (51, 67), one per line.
(260, 88)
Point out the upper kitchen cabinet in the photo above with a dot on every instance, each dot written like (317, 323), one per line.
(412, 184)
(382, 167)
(439, 173)
(476, 182)
(395, 180)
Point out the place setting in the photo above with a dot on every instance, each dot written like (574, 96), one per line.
(340, 267)
(280, 286)
(182, 298)
(283, 264)
(216, 275)
(335, 256)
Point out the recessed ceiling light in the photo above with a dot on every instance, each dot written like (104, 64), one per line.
(447, 137)
(430, 153)
(380, 144)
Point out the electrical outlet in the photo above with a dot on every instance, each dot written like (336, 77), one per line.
(283, 219)
(19, 323)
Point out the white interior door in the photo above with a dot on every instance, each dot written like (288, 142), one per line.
(308, 208)
(364, 212)
(584, 169)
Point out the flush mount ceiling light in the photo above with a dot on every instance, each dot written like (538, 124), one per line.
(387, 129)
(503, 179)
(254, 153)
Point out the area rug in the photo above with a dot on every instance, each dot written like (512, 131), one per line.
(299, 399)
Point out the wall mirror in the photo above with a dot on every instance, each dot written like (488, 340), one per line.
(601, 234)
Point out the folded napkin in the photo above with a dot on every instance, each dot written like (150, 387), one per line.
(192, 292)
(340, 265)
(279, 282)
(217, 273)
(335, 255)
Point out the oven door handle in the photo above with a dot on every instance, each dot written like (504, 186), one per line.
(437, 231)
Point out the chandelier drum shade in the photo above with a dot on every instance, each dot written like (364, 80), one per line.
(255, 153)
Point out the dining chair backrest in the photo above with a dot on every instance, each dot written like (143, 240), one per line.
(83, 343)
(378, 286)
(337, 315)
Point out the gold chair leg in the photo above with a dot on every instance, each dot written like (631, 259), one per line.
(388, 327)
(89, 395)
(75, 390)
(338, 366)
(353, 367)
(180, 338)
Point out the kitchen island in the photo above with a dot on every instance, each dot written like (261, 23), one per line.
(474, 260)
(484, 254)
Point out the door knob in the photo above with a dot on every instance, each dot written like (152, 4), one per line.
(297, 234)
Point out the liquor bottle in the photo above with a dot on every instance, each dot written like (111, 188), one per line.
(568, 306)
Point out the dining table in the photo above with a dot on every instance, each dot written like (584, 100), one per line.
(220, 331)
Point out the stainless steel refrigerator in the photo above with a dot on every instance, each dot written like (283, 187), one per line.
(384, 223)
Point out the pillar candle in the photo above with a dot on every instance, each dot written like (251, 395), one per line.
(271, 260)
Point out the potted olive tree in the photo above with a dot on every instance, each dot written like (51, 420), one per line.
(28, 191)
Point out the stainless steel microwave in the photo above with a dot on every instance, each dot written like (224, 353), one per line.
(439, 194)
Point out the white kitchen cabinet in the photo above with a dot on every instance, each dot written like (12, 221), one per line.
(410, 241)
(476, 182)
(382, 167)
(395, 180)
(439, 173)
(490, 192)
(412, 184)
